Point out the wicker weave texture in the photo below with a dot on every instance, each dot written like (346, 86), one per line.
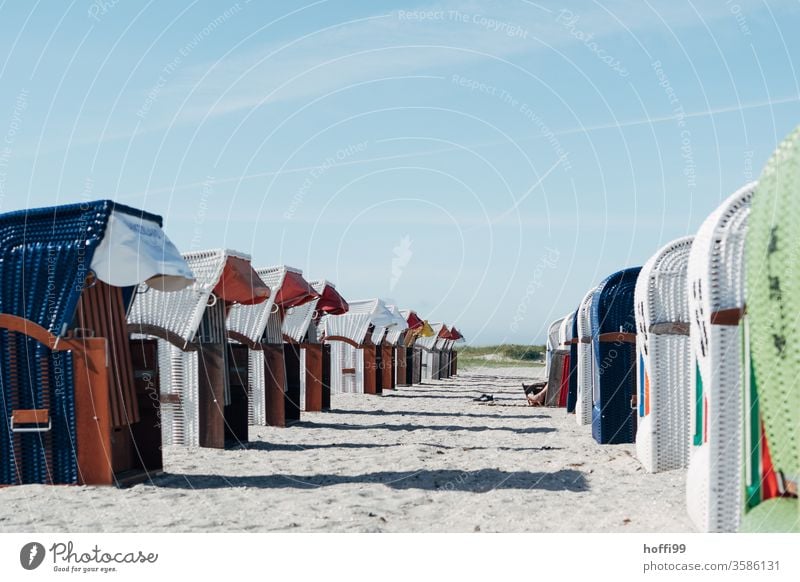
(715, 283)
(664, 379)
(614, 384)
(583, 404)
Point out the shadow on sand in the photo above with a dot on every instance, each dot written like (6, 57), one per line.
(480, 481)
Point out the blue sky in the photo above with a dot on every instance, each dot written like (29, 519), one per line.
(482, 162)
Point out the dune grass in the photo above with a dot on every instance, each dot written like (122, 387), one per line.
(501, 356)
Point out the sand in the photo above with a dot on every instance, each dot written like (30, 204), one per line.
(421, 459)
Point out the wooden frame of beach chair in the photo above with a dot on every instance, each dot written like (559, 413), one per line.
(301, 326)
(614, 349)
(585, 376)
(771, 342)
(662, 346)
(274, 364)
(202, 376)
(353, 354)
(715, 274)
(74, 411)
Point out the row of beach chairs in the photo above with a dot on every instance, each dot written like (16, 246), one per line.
(695, 357)
(114, 344)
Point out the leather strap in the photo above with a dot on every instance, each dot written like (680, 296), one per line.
(727, 316)
(617, 337)
(669, 328)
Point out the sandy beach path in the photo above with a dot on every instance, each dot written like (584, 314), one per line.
(420, 459)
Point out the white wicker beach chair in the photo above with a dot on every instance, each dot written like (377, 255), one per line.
(352, 350)
(714, 488)
(428, 354)
(583, 405)
(192, 351)
(552, 344)
(662, 343)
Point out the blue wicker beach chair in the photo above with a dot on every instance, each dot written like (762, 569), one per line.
(614, 348)
(74, 409)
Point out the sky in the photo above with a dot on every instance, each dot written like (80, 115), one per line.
(482, 162)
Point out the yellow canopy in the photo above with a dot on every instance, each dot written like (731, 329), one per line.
(427, 330)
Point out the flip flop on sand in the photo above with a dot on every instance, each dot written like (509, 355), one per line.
(484, 398)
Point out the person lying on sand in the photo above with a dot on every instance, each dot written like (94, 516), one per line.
(535, 393)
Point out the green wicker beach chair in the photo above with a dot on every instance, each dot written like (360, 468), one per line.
(771, 347)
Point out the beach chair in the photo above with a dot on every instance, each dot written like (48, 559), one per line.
(614, 347)
(714, 489)
(457, 338)
(428, 354)
(583, 403)
(664, 371)
(353, 352)
(557, 359)
(572, 383)
(274, 372)
(76, 405)
(552, 344)
(392, 355)
(300, 326)
(440, 350)
(447, 355)
(374, 357)
(416, 327)
(771, 344)
(202, 376)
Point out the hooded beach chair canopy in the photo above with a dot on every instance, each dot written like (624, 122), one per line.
(298, 319)
(429, 341)
(289, 290)
(50, 252)
(456, 335)
(420, 327)
(330, 302)
(354, 325)
(399, 326)
(221, 275)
